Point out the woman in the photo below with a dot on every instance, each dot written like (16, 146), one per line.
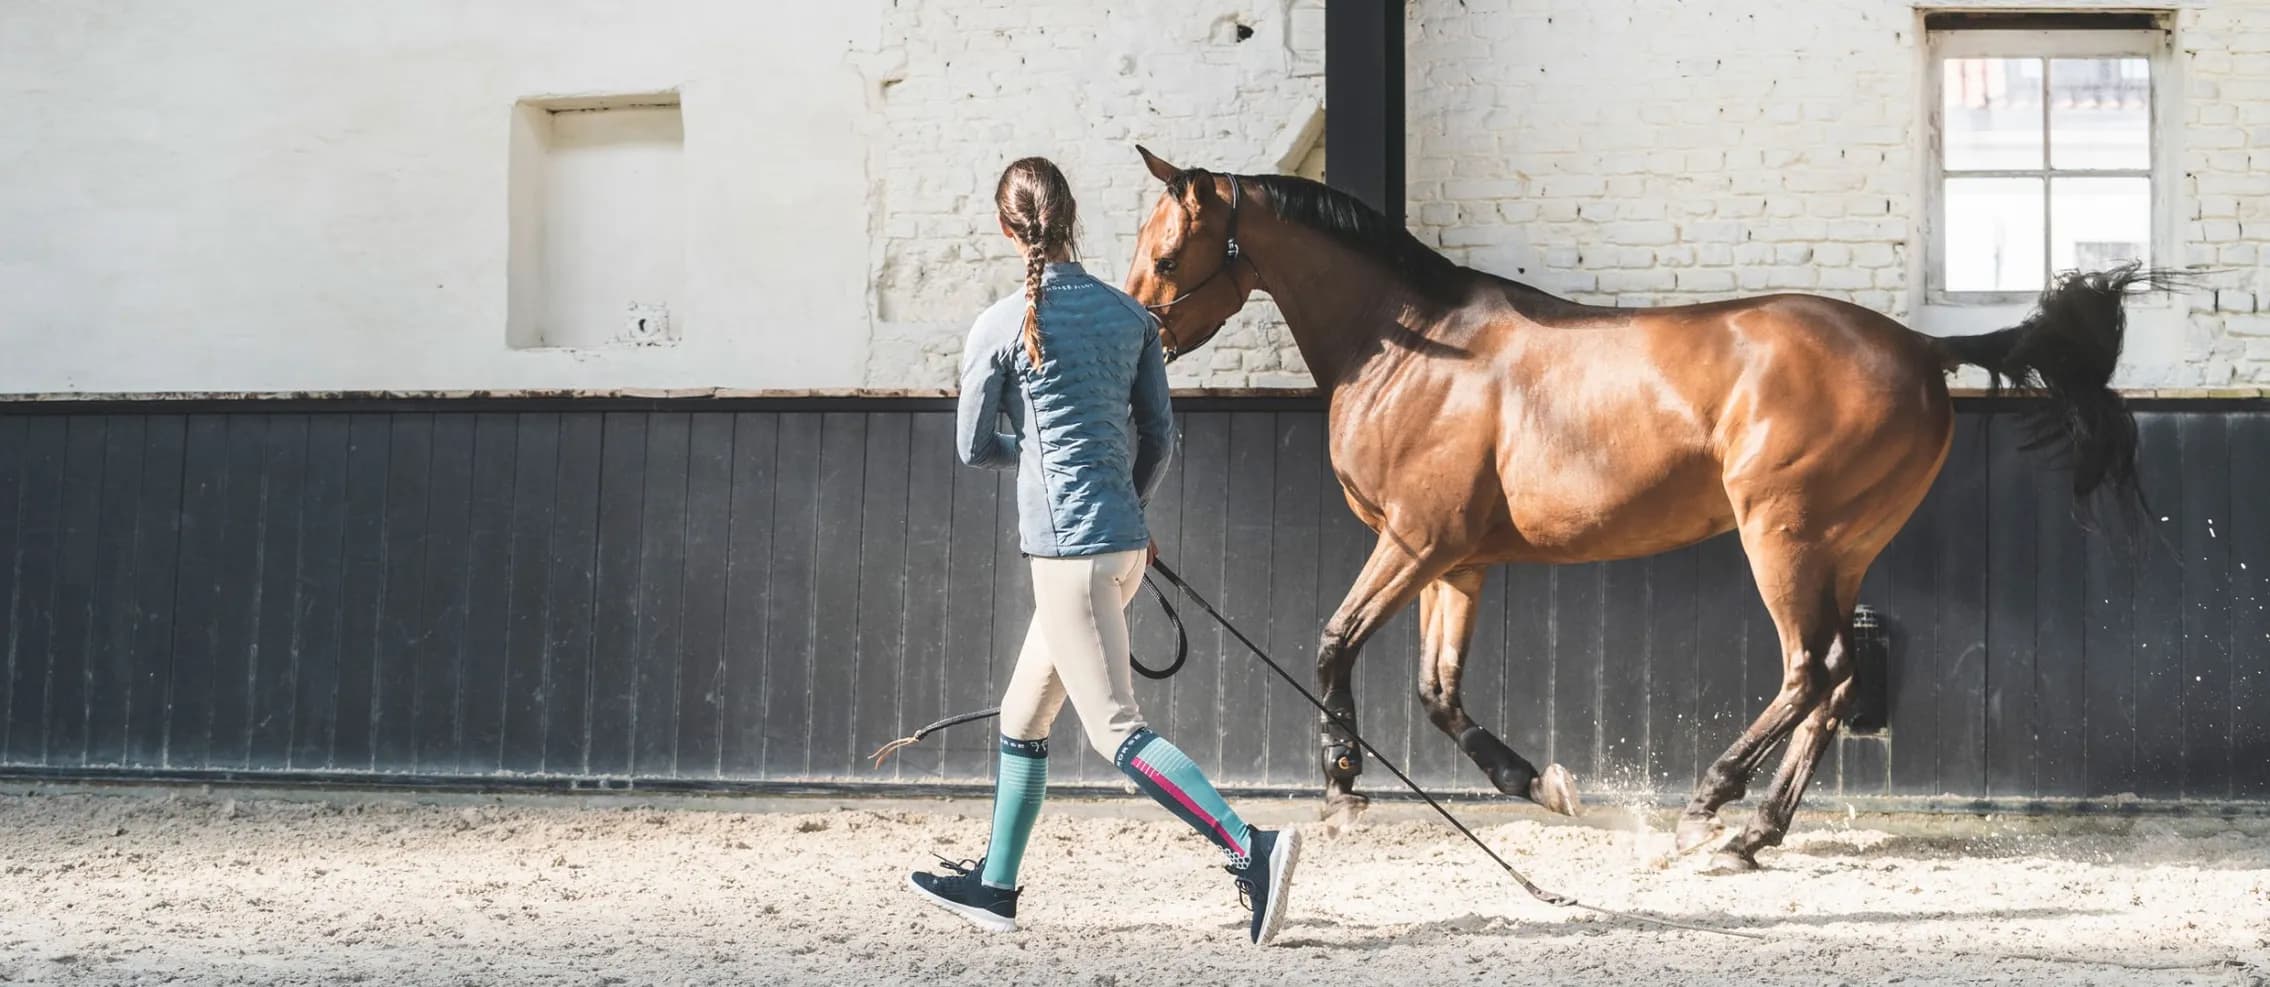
(1064, 362)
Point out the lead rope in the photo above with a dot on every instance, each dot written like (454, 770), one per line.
(1548, 897)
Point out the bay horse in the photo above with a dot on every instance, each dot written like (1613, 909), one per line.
(1475, 420)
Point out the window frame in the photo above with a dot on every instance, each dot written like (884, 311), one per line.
(2045, 44)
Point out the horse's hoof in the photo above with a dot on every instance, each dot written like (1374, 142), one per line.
(1556, 790)
(1341, 814)
(1730, 861)
(1696, 832)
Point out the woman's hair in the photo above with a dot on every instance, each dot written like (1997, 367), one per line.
(1036, 206)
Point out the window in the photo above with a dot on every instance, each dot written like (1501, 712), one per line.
(2044, 153)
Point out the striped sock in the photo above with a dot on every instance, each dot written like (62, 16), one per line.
(1018, 790)
(1173, 780)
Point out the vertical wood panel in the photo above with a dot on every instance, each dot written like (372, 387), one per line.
(535, 492)
(748, 575)
(2203, 535)
(1577, 591)
(370, 439)
(72, 654)
(111, 665)
(2011, 563)
(2159, 614)
(322, 601)
(157, 548)
(571, 593)
(1909, 570)
(190, 680)
(929, 544)
(709, 528)
(1960, 716)
(245, 506)
(402, 621)
(1626, 652)
(789, 605)
(966, 668)
(1302, 484)
(661, 613)
(615, 594)
(835, 606)
(16, 471)
(483, 669)
(2250, 604)
(1194, 722)
(1672, 671)
(437, 651)
(880, 649)
(1244, 701)
(1526, 700)
(275, 658)
(2060, 627)
(31, 624)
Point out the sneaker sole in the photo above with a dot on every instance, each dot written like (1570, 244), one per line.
(1281, 864)
(977, 916)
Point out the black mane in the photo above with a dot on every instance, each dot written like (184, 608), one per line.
(1347, 219)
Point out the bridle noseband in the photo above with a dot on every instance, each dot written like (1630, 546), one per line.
(1230, 255)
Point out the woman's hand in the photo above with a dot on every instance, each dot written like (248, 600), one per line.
(1153, 555)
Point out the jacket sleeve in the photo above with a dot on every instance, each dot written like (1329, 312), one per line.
(986, 377)
(1154, 417)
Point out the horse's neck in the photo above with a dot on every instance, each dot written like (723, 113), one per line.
(1339, 305)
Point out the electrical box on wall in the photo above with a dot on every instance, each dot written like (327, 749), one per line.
(597, 222)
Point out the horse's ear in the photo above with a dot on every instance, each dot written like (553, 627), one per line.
(1159, 168)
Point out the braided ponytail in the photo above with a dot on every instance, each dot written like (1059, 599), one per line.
(1036, 260)
(1035, 206)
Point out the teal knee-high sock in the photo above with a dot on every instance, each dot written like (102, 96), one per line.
(1171, 778)
(1017, 794)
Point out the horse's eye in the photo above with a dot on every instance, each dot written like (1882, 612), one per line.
(1165, 265)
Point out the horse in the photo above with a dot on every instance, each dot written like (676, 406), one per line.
(1475, 420)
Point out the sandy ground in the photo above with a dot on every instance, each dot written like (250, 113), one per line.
(156, 886)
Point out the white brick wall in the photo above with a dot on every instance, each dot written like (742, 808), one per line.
(1619, 151)
(2226, 51)
(975, 84)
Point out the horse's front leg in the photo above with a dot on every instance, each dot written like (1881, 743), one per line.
(1390, 579)
(1446, 622)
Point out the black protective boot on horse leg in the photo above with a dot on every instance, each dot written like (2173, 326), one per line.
(1446, 623)
(1343, 760)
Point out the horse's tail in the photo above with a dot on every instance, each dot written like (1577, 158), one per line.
(2064, 352)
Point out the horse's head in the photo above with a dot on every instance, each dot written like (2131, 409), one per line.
(1187, 269)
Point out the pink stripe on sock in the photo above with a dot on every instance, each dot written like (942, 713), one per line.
(1181, 797)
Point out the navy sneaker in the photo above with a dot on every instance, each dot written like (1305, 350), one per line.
(1266, 878)
(962, 893)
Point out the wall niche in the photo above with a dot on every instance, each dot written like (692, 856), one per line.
(597, 222)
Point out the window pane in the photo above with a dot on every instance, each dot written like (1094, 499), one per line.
(2095, 223)
(1994, 235)
(1992, 113)
(2100, 113)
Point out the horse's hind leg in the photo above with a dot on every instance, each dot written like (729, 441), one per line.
(1391, 577)
(1799, 583)
(1446, 620)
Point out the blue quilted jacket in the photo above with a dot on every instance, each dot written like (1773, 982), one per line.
(1088, 431)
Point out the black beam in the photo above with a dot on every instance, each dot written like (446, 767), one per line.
(1363, 101)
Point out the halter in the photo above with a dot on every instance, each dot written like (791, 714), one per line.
(1230, 255)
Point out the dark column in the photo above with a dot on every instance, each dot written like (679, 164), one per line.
(1363, 100)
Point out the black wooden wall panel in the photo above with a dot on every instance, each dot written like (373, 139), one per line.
(763, 593)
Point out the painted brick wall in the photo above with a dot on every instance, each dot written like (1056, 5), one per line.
(1621, 152)
(973, 84)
